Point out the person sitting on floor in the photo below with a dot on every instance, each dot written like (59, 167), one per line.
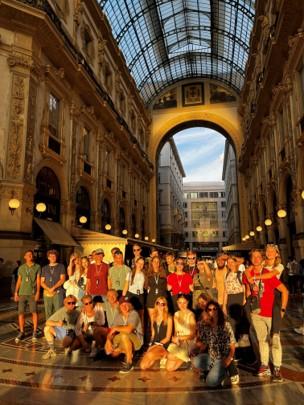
(161, 331)
(90, 332)
(126, 335)
(214, 350)
(61, 325)
(184, 334)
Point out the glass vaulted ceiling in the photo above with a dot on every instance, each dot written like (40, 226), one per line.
(166, 41)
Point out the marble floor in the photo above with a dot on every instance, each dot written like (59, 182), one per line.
(27, 379)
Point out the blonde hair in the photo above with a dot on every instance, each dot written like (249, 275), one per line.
(165, 312)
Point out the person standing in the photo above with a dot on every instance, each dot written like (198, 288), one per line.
(179, 283)
(118, 273)
(52, 279)
(261, 295)
(220, 276)
(191, 267)
(97, 276)
(27, 292)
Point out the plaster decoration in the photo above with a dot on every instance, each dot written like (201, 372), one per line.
(16, 126)
(101, 46)
(1, 170)
(29, 145)
(78, 12)
(17, 60)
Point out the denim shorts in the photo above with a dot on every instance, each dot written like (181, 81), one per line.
(61, 332)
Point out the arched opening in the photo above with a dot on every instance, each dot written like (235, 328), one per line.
(48, 192)
(197, 217)
(83, 208)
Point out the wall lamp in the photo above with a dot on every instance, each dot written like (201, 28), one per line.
(13, 204)
(83, 220)
(124, 232)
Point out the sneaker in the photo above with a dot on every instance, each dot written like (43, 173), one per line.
(264, 371)
(19, 337)
(277, 377)
(93, 352)
(163, 362)
(235, 379)
(34, 337)
(50, 354)
(126, 368)
(67, 351)
(300, 330)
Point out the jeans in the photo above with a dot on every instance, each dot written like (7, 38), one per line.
(216, 373)
(262, 326)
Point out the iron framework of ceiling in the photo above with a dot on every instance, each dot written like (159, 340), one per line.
(165, 41)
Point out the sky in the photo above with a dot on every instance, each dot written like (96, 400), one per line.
(202, 153)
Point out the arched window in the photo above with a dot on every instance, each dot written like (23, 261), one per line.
(105, 214)
(83, 207)
(48, 192)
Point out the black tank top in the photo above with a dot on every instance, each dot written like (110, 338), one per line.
(160, 332)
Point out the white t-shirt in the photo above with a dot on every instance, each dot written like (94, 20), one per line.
(279, 268)
(138, 282)
(84, 319)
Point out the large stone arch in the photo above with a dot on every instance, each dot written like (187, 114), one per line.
(224, 118)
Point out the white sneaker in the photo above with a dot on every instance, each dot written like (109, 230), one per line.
(93, 352)
(299, 330)
(67, 351)
(244, 341)
(235, 379)
(50, 354)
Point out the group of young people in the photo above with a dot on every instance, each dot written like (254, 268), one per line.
(183, 310)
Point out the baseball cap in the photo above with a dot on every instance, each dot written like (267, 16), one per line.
(99, 252)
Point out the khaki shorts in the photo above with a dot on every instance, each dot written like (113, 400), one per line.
(24, 300)
(134, 339)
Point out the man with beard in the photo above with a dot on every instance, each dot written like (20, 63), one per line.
(220, 276)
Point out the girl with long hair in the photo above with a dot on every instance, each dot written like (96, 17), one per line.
(161, 332)
(156, 284)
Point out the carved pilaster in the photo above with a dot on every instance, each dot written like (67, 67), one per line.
(29, 145)
(16, 128)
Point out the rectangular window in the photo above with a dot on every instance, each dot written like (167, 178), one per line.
(203, 195)
(54, 105)
(223, 204)
(213, 194)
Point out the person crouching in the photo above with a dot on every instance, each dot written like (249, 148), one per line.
(61, 325)
(126, 335)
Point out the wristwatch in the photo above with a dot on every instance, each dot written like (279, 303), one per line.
(283, 310)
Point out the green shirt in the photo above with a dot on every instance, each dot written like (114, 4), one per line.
(69, 318)
(28, 276)
(118, 275)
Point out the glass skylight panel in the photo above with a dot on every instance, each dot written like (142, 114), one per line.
(165, 41)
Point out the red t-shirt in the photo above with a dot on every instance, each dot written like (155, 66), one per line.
(180, 283)
(98, 275)
(267, 292)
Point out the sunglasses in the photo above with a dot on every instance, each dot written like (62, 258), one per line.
(191, 258)
(162, 304)
(88, 303)
(212, 309)
(71, 303)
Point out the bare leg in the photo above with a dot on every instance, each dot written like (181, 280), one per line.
(35, 321)
(173, 363)
(21, 322)
(126, 347)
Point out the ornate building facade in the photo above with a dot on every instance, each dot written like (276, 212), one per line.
(74, 131)
(170, 197)
(272, 107)
(232, 195)
(205, 216)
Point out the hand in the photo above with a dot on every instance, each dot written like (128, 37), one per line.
(175, 340)
(16, 297)
(60, 323)
(282, 314)
(226, 361)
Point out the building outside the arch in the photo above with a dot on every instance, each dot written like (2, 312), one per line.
(78, 100)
